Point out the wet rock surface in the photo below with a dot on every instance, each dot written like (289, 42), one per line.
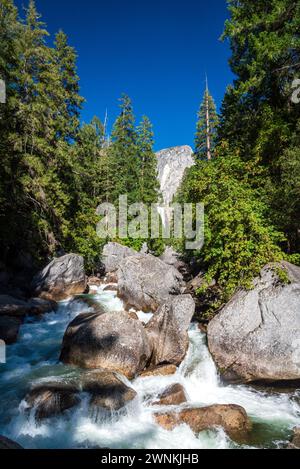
(232, 418)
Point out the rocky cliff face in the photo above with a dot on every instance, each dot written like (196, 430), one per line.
(172, 163)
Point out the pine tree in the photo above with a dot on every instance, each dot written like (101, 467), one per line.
(258, 119)
(70, 101)
(123, 154)
(10, 33)
(205, 140)
(148, 182)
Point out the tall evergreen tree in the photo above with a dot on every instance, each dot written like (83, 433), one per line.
(148, 182)
(207, 123)
(258, 117)
(124, 154)
(70, 99)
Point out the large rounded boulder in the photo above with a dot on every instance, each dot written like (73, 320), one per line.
(168, 330)
(256, 337)
(111, 341)
(146, 282)
(62, 278)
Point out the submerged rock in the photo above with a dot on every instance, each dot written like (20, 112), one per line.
(6, 443)
(60, 279)
(9, 329)
(108, 390)
(256, 337)
(172, 395)
(168, 330)
(112, 341)
(113, 254)
(146, 282)
(51, 399)
(232, 418)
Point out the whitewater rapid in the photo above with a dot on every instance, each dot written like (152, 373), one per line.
(34, 358)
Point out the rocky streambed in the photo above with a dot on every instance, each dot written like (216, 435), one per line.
(99, 372)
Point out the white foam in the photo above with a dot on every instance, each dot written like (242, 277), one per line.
(35, 358)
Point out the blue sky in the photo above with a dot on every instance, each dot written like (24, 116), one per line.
(157, 51)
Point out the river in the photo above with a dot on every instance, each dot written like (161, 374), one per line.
(34, 358)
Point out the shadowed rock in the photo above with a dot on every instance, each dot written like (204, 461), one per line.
(9, 329)
(60, 279)
(232, 418)
(51, 399)
(6, 443)
(168, 330)
(256, 337)
(10, 306)
(108, 390)
(112, 341)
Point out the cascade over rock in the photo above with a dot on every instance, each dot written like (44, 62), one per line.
(232, 418)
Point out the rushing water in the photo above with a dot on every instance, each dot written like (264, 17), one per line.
(34, 358)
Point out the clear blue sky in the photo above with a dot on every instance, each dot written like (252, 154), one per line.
(157, 51)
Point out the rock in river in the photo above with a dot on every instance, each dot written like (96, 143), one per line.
(112, 341)
(146, 282)
(9, 329)
(172, 395)
(256, 337)
(60, 279)
(232, 418)
(107, 389)
(168, 330)
(51, 399)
